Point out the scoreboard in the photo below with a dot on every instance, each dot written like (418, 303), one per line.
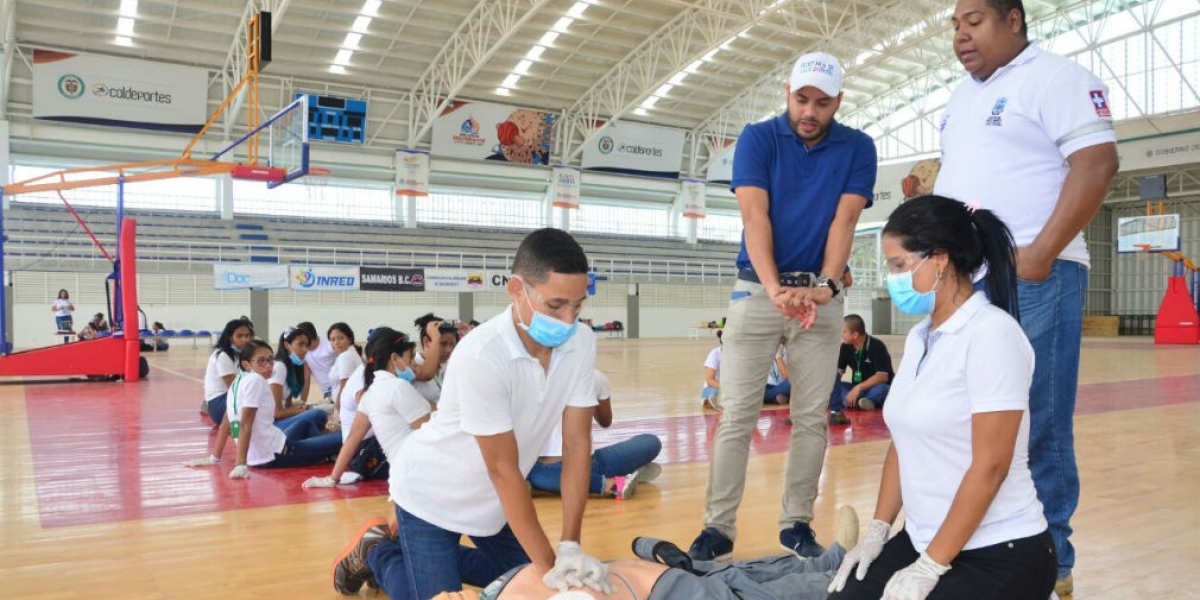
(336, 119)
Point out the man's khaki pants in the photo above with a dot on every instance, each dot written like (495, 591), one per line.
(752, 332)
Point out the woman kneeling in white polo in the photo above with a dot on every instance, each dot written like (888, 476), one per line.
(958, 412)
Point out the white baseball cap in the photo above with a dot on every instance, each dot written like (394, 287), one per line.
(819, 70)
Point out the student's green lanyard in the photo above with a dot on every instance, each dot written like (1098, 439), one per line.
(235, 420)
(858, 362)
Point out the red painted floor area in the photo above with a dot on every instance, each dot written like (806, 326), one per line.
(105, 452)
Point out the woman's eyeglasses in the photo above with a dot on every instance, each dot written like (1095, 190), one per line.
(262, 361)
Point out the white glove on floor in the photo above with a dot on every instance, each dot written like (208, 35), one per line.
(573, 568)
(863, 555)
(208, 461)
(319, 482)
(915, 581)
(240, 472)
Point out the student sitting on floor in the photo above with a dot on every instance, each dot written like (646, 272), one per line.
(251, 410)
(871, 372)
(388, 406)
(710, 395)
(319, 359)
(438, 340)
(222, 366)
(616, 469)
(779, 388)
(666, 572)
(341, 339)
(291, 375)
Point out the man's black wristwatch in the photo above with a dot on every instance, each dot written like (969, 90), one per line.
(829, 283)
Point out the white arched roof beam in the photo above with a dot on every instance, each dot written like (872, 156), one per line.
(489, 25)
(1074, 30)
(684, 40)
(858, 37)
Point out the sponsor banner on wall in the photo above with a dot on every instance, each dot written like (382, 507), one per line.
(124, 92)
(636, 149)
(412, 173)
(245, 277)
(454, 280)
(566, 186)
(323, 279)
(720, 168)
(1158, 152)
(388, 279)
(486, 131)
(692, 192)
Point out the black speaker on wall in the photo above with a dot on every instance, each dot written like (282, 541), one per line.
(264, 40)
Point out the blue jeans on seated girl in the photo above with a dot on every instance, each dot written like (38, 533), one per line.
(307, 442)
(876, 393)
(621, 458)
(426, 559)
(783, 388)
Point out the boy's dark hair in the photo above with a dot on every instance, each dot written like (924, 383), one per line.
(548, 251)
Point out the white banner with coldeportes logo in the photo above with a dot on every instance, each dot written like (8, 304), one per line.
(245, 277)
(636, 149)
(324, 279)
(124, 92)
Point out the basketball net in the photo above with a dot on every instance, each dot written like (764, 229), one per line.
(315, 182)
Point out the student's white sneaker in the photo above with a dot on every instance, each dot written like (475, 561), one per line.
(620, 487)
(649, 472)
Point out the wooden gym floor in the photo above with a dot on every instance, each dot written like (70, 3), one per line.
(93, 502)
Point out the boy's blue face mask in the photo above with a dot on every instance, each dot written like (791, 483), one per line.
(905, 297)
(544, 329)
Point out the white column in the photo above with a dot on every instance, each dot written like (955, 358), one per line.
(410, 212)
(223, 186)
(5, 163)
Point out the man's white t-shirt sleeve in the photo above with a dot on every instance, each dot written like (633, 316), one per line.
(603, 391)
(485, 397)
(1004, 355)
(1075, 111)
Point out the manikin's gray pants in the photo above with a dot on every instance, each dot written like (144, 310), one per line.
(750, 341)
(784, 577)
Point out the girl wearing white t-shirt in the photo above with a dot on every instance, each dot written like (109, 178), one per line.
(438, 340)
(62, 307)
(252, 422)
(388, 405)
(341, 338)
(958, 412)
(289, 381)
(222, 366)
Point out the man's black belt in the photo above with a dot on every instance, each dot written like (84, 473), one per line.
(792, 279)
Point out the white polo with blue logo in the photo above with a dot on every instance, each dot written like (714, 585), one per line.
(1005, 140)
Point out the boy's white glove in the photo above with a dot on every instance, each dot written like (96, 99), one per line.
(573, 568)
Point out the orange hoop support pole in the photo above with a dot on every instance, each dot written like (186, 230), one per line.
(129, 299)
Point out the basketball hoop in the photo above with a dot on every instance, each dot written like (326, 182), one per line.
(316, 181)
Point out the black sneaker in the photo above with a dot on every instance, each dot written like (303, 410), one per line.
(711, 545)
(837, 417)
(350, 571)
(800, 540)
(661, 552)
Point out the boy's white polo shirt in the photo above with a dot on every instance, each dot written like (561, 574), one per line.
(495, 386)
(978, 361)
(1005, 140)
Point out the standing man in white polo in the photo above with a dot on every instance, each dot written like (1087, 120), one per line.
(1029, 134)
(801, 179)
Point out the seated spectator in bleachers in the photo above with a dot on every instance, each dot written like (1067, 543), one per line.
(779, 388)
(616, 469)
(871, 371)
(710, 395)
(388, 406)
(251, 410)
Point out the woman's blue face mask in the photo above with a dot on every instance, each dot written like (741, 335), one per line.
(905, 297)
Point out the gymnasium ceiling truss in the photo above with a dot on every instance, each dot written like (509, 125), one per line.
(706, 66)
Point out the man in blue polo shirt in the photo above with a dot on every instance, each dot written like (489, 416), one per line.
(801, 180)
